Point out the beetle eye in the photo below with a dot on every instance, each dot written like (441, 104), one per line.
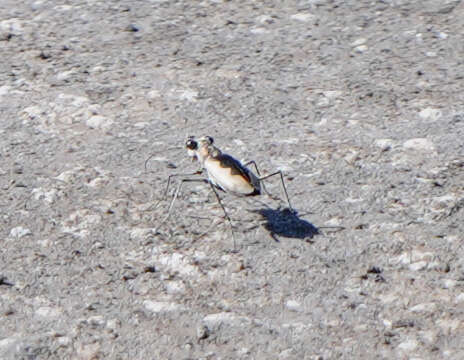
(191, 144)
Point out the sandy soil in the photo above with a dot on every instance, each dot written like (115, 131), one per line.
(359, 103)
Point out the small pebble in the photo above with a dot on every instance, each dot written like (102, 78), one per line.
(424, 307)
(417, 266)
(384, 144)
(293, 305)
(419, 144)
(303, 17)
(19, 231)
(408, 345)
(430, 114)
(98, 122)
(361, 49)
(162, 306)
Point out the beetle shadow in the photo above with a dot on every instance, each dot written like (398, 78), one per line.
(287, 223)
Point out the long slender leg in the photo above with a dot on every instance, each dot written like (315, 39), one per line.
(198, 172)
(257, 172)
(176, 194)
(283, 186)
(171, 204)
(225, 213)
(254, 163)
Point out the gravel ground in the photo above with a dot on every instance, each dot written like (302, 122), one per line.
(359, 103)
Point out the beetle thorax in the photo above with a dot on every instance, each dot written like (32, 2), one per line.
(207, 151)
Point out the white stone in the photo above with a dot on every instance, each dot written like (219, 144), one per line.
(176, 263)
(45, 242)
(36, 5)
(33, 111)
(239, 142)
(384, 144)
(335, 221)
(304, 17)
(113, 324)
(430, 114)
(436, 265)
(404, 258)
(90, 220)
(351, 200)
(408, 345)
(48, 196)
(96, 320)
(199, 256)
(332, 94)
(444, 202)
(243, 351)
(7, 341)
(449, 283)
(73, 100)
(447, 353)
(228, 74)
(141, 124)
(4, 90)
(175, 287)
(65, 75)
(424, 307)
(419, 255)
(351, 157)
(265, 19)
(64, 340)
(141, 233)
(87, 351)
(323, 102)
(79, 220)
(417, 266)
(460, 298)
(162, 306)
(442, 35)
(287, 354)
(154, 94)
(19, 231)
(214, 321)
(98, 69)
(68, 175)
(361, 48)
(323, 122)
(387, 323)
(297, 327)
(98, 182)
(259, 31)
(188, 94)
(293, 305)
(452, 238)
(11, 26)
(99, 122)
(48, 312)
(63, 7)
(420, 144)
(358, 42)
(6, 345)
